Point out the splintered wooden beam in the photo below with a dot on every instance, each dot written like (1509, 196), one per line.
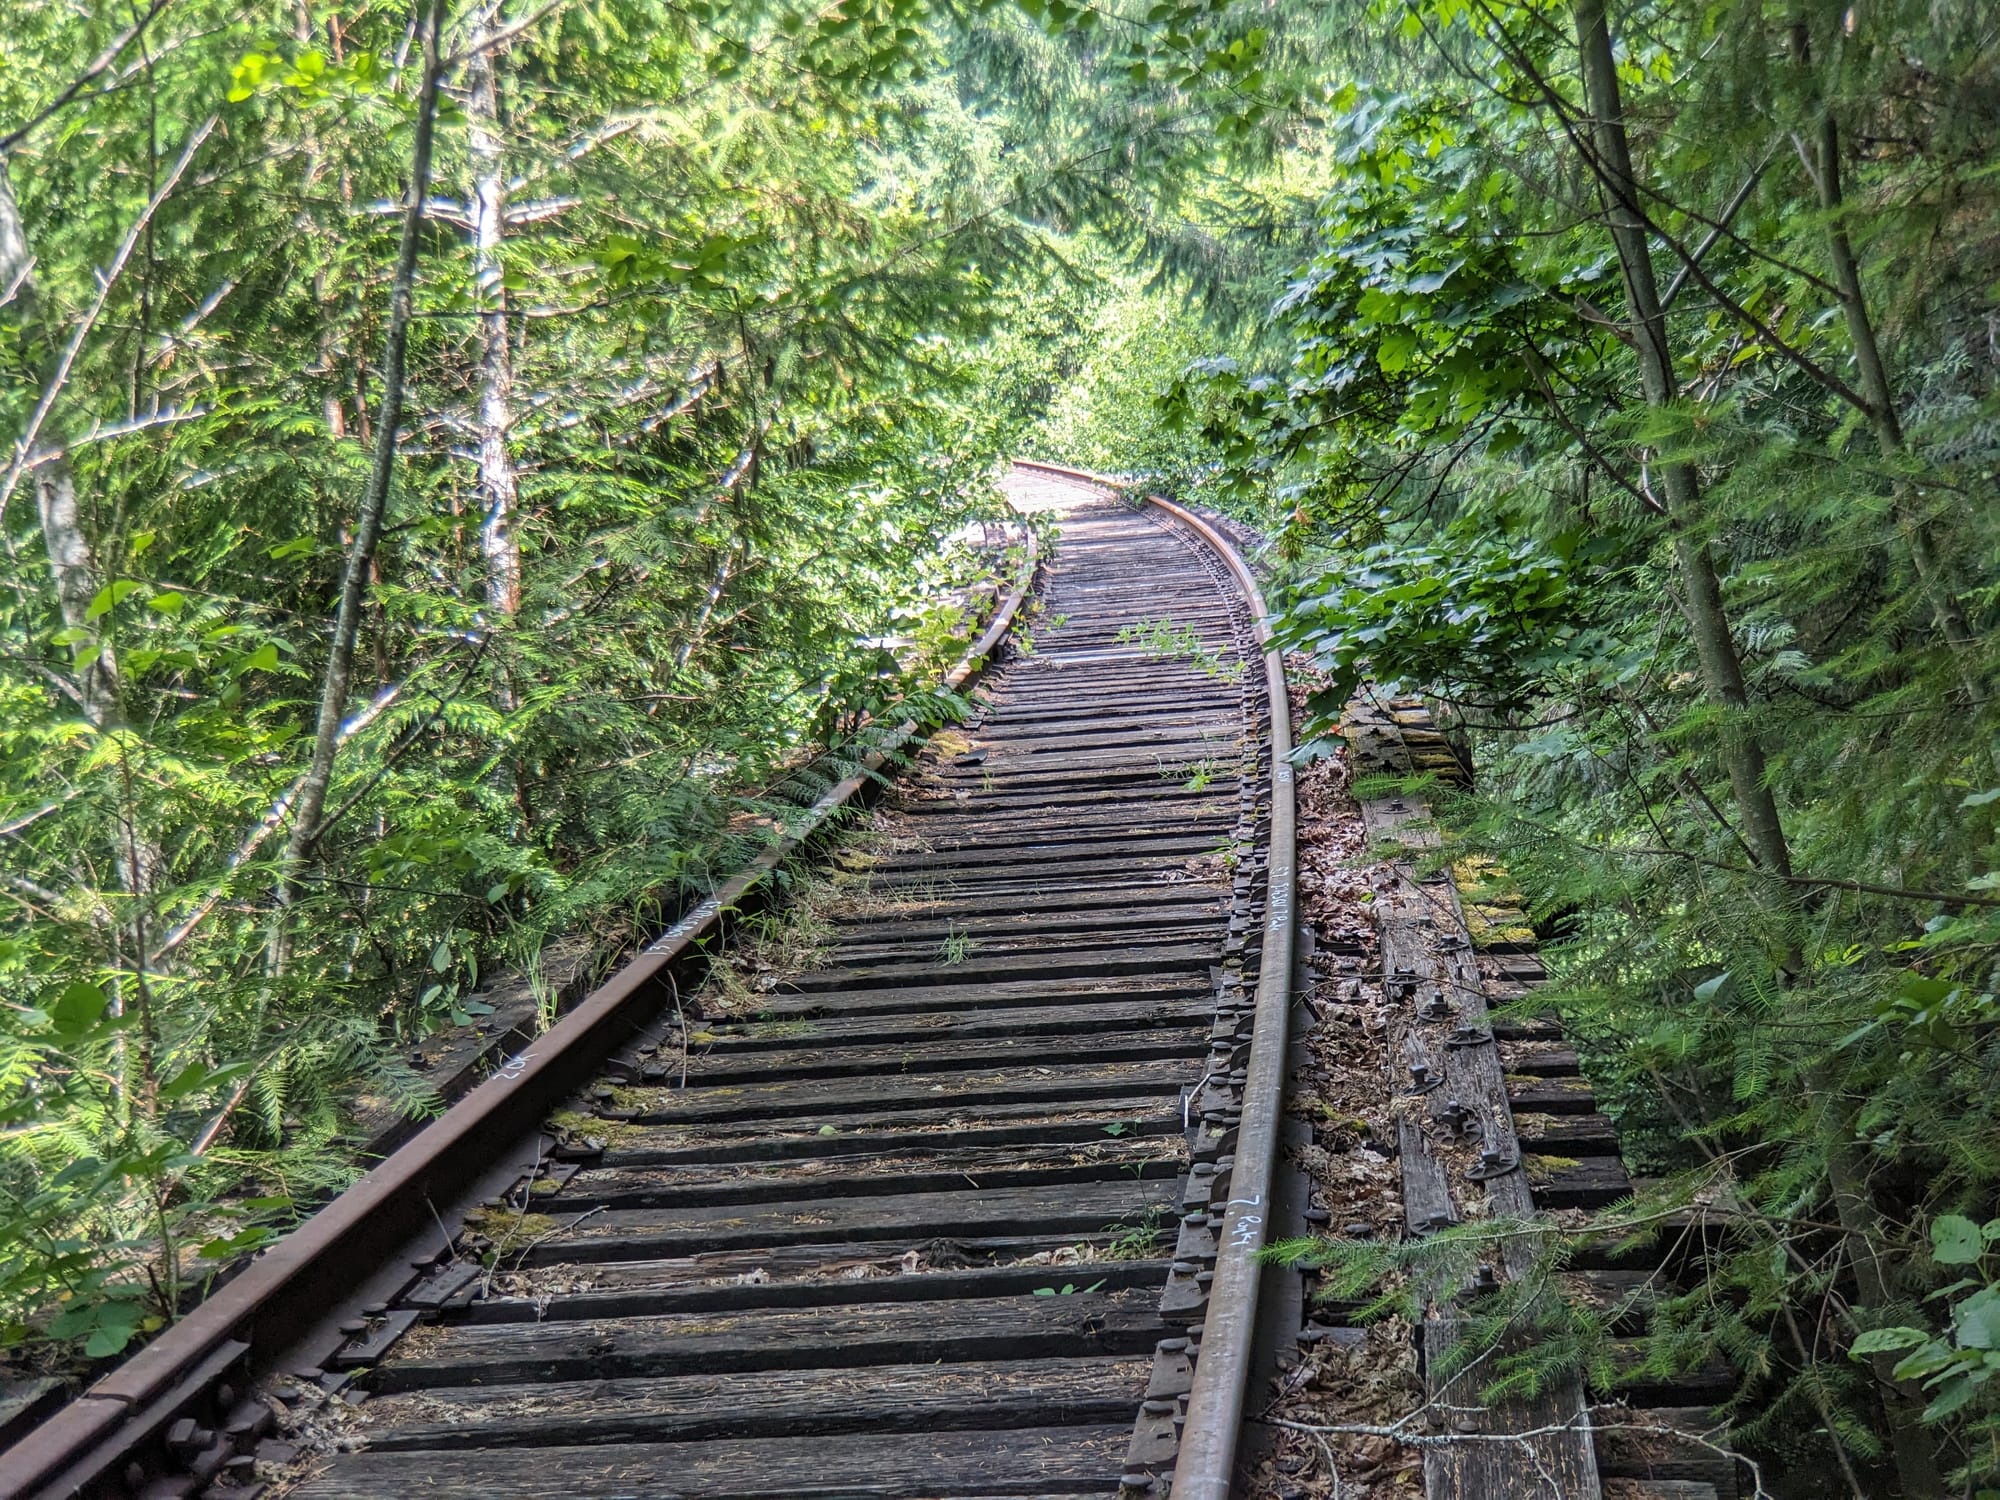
(1462, 1160)
(1532, 1447)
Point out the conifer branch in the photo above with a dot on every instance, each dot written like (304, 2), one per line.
(1825, 882)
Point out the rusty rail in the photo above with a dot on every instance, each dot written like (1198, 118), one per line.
(1206, 1460)
(286, 1292)
(115, 1437)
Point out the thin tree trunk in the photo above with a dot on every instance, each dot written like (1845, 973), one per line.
(498, 491)
(1715, 647)
(73, 569)
(375, 497)
(1722, 671)
(75, 572)
(1847, 1168)
(71, 563)
(1822, 160)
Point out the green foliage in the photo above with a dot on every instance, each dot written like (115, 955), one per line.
(1472, 485)
(747, 279)
(1105, 416)
(1954, 1365)
(1470, 618)
(1162, 637)
(1570, 1337)
(777, 285)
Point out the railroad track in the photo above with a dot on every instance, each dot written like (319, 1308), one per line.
(963, 1208)
(1503, 1099)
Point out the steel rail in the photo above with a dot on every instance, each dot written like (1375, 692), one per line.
(282, 1294)
(1205, 1463)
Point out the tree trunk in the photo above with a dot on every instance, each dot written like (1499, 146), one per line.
(1722, 668)
(375, 497)
(76, 580)
(73, 569)
(498, 491)
(1847, 1167)
(71, 563)
(1910, 1443)
(1940, 591)
(1715, 647)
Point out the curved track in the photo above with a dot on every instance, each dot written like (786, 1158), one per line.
(930, 1217)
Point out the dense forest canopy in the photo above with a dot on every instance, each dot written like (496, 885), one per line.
(472, 466)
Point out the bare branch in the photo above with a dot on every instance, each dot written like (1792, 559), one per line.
(104, 432)
(24, 447)
(500, 36)
(272, 820)
(103, 61)
(1729, 213)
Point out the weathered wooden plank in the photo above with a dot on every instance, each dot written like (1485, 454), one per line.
(1188, 911)
(970, 1055)
(1458, 1144)
(940, 804)
(819, 1101)
(888, 1280)
(1014, 701)
(1164, 844)
(992, 1167)
(937, 998)
(1538, 1059)
(1478, 1069)
(1111, 761)
(1221, 733)
(1413, 919)
(950, 945)
(1577, 1182)
(636, 1234)
(842, 1260)
(1645, 1443)
(1106, 774)
(1022, 698)
(780, 1140)
(764, 1403)
(1133, 711)
(1657, 1489)
(1038, 1462)
(1559, 1461)
(1064, 755)
(1057, 902)
(1038, 748)
(901, 1027)
(1623, 1294)
(1566, 1135)
(1552, 1096)
(1633, 1384)
(958, 1330)
(1518, 1028)
(1034, 877)
(1427, 1199)
(1001, 968)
